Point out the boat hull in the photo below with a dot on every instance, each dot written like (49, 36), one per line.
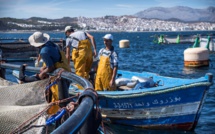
(179, 109)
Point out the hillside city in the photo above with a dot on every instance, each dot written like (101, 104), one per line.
(129, 23)
(121, 23)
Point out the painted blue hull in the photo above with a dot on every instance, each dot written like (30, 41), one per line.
(164, 109)
(176, 104)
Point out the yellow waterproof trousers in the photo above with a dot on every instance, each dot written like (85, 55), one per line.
(55, 96)
(54, 89)
(104, 75)
(83, 58)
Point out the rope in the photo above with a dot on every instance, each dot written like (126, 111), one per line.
(26, 125)
(155, 92)
(103, 126)
(31, 120)
(30, 127)
(50, 85)
(58, 77)
(97, 107)
(97, 100)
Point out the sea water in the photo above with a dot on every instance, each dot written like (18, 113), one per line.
(144, 55)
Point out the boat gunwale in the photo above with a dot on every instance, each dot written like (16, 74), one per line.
(202, 81)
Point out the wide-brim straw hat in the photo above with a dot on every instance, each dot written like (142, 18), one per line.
(38, 39)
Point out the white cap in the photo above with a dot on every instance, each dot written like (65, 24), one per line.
(108, 36)
(68, 28)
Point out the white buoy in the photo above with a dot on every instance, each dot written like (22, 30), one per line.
(124, 44)
(196, 57)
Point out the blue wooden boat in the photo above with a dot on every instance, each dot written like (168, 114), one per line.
(172, 103)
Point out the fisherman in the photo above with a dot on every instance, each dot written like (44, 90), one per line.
(107, 66)
(53, 58)
(49, 52)
(82, 56)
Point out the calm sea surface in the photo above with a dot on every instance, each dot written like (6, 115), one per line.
(144, 55)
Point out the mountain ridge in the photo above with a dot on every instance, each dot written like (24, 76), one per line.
(130, 22)
(183, 13)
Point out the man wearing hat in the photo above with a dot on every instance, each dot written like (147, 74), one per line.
(107, 66)
(49, 52)
(79, 43)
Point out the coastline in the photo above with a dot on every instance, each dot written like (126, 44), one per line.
(94, 31)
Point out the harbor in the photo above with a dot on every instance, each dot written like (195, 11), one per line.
(163, 60)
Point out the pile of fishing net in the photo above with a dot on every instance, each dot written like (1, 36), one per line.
(24, 107)
(19, 103)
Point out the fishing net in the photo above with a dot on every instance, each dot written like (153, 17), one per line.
(5, 83)
(16, 50)
(19, 103)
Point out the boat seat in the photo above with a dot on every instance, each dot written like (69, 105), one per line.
(124, 88)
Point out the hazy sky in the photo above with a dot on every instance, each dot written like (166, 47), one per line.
(88, 8)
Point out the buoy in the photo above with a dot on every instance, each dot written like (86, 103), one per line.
(161, 39)
(178, 39)
(196, 57)
(124, 44)
(208, 43)
(196, 43)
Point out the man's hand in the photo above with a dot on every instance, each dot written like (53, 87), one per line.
(111, 83)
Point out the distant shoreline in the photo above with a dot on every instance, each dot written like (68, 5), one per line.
(31, 31)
